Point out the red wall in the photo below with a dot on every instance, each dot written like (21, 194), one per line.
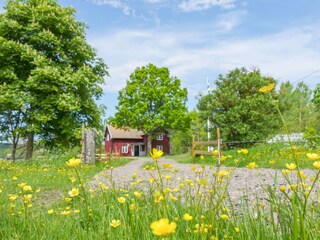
(118, 143)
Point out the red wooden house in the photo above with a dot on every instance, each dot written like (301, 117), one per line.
(131, 142)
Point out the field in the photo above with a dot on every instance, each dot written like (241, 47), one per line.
(54, 198)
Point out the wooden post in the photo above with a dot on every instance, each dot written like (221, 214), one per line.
(90, 146)
(193, 149)
(82, 143)
(219, 147)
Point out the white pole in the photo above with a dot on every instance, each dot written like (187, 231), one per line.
(208, 120)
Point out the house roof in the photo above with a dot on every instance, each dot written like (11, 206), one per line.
(124, 133)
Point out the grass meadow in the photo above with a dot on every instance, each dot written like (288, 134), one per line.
(50, 199)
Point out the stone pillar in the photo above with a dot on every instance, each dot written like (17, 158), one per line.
(89, 146)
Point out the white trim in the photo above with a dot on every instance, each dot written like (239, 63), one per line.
(124, 149)
(160, 136)
(159, 147)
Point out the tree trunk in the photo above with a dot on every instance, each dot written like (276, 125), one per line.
(30, 141)
(149, 144)
(14, 147)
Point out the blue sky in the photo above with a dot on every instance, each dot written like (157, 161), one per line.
(197, 39)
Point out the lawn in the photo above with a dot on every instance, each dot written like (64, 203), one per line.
(49, 199)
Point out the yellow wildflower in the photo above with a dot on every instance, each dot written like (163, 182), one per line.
(51, 211)
(202, 157)
(66, 212)
(74, 192)
(252, 165)
(156, 154)
(187, 217)
(224, 217)
(76, 211)
(223, 173)
(121, 199)
(243, 151)
(73, 162)
(137, 194)
(313, 156)
(167, 166)
(282, 188)
(13, 197)
(27, 188)
(14, 178)
(237, 229)
(163, 227)
(272, 162)
(291, 166)
(132, 207)
(21, 185)
(267, 88)
(115, 223)
(285, 171)
(316, 165)
(27, 198)
(68, 199)
(215, 152)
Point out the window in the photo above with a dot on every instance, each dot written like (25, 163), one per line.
(160, 136)
(124, 149)
(159, 147)
(143, 148)
(108, 137)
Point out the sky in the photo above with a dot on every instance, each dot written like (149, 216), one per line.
(200, 39)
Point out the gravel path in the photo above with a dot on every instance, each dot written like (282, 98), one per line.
(243, 181)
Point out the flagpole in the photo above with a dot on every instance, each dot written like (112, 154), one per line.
(208, 120)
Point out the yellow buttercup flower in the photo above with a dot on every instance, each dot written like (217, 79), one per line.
(66, 212)
(74, 192)
(73, 162)
(137, 194)
(291, 166)
(156, 154)
(224, 217)
(215, 152)
(115, 223)
(282, 188)
(272, 162)
(51, 211)
(202, 157)
(27, 198)
(13, 197)
(316, 165)
(27, 188)
(285, 171)
(223, 173)
(121, 199)
(163, 227)
(167, 166)
(267, 88)
(252, 165)
(243, 151)
(313, 156)
(187, 217)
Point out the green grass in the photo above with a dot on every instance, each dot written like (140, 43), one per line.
(261, 154)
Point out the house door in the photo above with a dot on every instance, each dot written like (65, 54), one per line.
(136, 150)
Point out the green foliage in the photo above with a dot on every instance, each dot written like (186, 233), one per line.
(296, 107)
(49, 74)
(312, 136)
(238, 108)
(152, 101)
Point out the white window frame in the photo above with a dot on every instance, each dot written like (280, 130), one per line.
(160, 136)
(108, 137)
(159, 147)
(124, 149)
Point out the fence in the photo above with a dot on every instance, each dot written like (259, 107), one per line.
(208, 144)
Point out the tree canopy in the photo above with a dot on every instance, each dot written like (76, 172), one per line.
(152, 101)
(49, 75)
(238, 108)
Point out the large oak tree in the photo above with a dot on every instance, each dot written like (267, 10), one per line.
(50, 76)
(152, 101)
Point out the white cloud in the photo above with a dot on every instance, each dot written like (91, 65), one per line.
(286, 55)
(115, 4)
(197, 5)
(230, 20)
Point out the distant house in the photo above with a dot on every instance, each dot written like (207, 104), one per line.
(132, 142)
